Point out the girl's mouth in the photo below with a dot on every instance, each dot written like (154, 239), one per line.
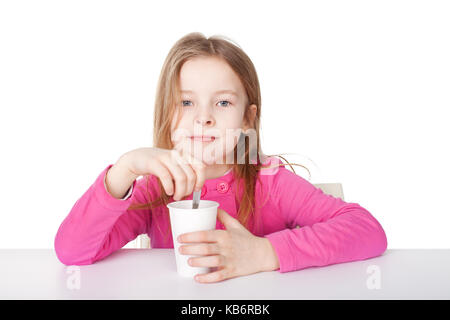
(203, 138)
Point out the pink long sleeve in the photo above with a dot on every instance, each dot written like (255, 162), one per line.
(331, 230)
(98, 224)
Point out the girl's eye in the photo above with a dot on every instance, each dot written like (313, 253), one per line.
(182, 102)
(226, 102)
(185, 105)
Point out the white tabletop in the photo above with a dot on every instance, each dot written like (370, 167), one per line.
(151, 274)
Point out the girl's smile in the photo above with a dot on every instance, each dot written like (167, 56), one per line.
(203, 138)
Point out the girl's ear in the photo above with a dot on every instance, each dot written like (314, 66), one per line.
(251, 113)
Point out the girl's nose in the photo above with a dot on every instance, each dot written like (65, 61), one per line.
(204, 121)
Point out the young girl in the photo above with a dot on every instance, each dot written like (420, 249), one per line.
(269, 218)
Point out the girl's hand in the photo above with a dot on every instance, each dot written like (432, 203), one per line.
(179, 174)
(234, 251)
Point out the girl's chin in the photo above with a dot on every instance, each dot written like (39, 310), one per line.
(209, 162)
(205, 154)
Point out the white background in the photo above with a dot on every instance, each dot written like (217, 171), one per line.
(361, 88)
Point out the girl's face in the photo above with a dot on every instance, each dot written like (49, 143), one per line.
(213, 101)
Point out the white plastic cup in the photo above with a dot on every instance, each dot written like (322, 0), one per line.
(184, 219)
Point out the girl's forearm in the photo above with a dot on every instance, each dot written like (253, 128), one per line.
(119, 179)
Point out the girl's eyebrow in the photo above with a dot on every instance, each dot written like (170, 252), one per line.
(217, 92)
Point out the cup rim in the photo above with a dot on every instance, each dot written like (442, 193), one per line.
(213, 204)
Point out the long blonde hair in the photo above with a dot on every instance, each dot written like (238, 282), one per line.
(167, 95)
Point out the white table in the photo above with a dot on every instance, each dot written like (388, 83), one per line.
(151, 274)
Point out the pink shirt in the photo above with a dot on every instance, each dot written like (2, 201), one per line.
(331, 230)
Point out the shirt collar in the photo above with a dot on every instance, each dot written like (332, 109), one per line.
(228, 177)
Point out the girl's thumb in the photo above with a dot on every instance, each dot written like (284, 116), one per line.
(225, 218)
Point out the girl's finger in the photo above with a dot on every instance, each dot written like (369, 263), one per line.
(190, 174)
(216, 276)
(178, 175)
(164, 175)
(203, 249)
(207, 261)
(199, 168)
